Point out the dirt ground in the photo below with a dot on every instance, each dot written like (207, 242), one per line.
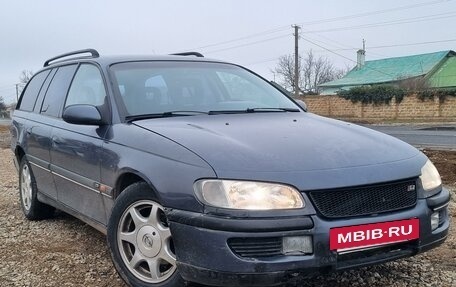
(4, 137)
(445, 162)
(63, 251)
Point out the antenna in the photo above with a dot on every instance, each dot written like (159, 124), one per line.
(364, 45)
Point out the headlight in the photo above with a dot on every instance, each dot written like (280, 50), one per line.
(247, 195)
(430, 179)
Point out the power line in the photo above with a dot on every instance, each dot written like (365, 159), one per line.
(335, 53)
(370, 25)
(364, 14)
(350, 48)
(388, 23)
(247, 44)
(248, 37)
(411, 44)
(338, 43)
(367, 49)
(285, 27)
(11, 87)
(398, 45)
(263, 61)
(331, 51)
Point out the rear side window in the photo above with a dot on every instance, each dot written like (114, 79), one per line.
(39, 101)
(32, 90)
(57, 91)
(87, 87)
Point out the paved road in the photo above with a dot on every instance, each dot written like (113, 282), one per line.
(429, 135)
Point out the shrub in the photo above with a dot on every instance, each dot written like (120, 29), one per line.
(377, 95)
(442, 94)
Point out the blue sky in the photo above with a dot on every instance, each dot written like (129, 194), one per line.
(251, 33)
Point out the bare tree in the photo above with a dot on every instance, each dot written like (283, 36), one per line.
(308, 70)
(318, 70)
(25, 76)
(285, 69)
(414, 84)
(340, 72)
(313, 72)
(3, 108)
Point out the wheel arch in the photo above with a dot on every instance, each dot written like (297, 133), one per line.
(122, 254)
(128, 177)
(19, 153)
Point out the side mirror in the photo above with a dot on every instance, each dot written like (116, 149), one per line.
(302, 104)
(82, 115)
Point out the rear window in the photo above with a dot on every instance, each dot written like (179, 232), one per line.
(57, 91)
(32, 90)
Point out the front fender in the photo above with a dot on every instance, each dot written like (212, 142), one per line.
(168, 167)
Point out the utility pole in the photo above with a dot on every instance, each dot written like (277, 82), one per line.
(296, 58)
(17, 92)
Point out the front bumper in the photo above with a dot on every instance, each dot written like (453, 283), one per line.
(204, 256)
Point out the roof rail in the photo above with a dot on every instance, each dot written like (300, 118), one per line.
(189, 54)
(94, 54)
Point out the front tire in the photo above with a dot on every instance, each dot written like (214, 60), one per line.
(32, 208)
(140, 240)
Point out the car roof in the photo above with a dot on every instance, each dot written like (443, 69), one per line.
(109, 60)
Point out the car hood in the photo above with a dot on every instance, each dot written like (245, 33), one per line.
(283, 146)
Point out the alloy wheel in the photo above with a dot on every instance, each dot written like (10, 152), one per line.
(145, 242)
(26, 187)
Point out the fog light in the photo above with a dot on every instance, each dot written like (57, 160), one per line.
(297, 245)
(435, 218)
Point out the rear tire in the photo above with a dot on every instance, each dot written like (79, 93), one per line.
(32, 208)
(140, 240)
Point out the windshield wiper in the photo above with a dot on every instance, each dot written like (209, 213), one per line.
(169, 114)
(192, 113)
(253, 110)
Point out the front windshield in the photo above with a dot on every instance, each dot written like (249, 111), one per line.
(155, 87)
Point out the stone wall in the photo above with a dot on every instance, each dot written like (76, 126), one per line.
(411, 108)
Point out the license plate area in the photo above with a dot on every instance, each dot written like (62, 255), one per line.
(366, 236)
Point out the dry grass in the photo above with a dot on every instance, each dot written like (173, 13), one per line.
(4, 129)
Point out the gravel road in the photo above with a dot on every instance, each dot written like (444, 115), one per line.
(66, 252)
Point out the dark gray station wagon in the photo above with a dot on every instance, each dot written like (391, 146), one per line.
(200, 170)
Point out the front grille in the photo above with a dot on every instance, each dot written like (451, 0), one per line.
(357, 201)
(256, 247)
